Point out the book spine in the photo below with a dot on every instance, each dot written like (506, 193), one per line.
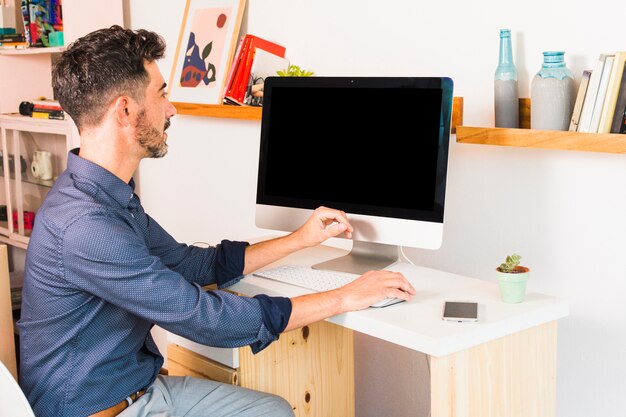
(47, 115)
(592, 94)
(13, 45)
(610, 100)
(620, 106)
(233, 65)
(18, 37)
(50, 103)
(51, 111)
(580, 99)
(42, 107)
(25, 6)
(230, 91)
(602, 89)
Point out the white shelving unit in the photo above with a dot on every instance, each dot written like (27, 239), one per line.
(25, 75)
(22, 192)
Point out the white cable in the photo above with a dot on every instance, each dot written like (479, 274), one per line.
(404, 256)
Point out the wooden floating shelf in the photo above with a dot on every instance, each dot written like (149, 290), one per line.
(219, 110)
(254, 113)
(546, 139)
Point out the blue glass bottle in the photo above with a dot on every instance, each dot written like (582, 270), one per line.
(552, 94)
(506, 96)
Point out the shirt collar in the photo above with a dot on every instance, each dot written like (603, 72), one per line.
(87, 172)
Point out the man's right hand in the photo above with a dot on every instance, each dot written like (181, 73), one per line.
(368, 289)
(374, 286)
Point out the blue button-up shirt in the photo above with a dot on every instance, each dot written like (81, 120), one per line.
(99, 273)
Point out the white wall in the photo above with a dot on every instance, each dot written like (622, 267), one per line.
(565, 212)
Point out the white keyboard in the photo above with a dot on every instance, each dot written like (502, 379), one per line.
(312, 279)
(315, 279)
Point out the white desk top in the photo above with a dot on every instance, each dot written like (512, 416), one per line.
(417, 324)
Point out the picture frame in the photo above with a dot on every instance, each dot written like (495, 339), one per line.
(205, 49)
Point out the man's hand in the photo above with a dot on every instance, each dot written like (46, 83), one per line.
(324, 223)
(368, 289)
(374, 286)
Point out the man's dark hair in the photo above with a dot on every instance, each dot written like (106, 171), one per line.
(101, 66)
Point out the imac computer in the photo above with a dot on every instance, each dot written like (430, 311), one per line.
(374, 147)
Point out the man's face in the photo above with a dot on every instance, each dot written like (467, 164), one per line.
(154, 118)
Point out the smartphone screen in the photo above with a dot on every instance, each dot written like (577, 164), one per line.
(460, 311)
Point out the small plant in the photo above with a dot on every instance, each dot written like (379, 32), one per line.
(509, 265)
(294, 71)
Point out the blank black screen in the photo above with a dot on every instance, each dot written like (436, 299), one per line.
(370, 148)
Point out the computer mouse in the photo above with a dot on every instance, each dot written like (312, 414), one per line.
(386, 302)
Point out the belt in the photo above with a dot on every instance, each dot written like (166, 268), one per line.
(119, 407)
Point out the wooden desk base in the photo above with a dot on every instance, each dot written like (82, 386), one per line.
(514, 376)
(312, 368)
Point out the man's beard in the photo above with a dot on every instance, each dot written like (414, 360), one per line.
(150, 138)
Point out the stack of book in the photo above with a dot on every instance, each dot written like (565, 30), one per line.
(601, 100)
(47, 109)
(13, 41)
(255, 59)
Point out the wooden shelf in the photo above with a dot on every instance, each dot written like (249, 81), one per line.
(32, 51)
(219, 110)
(254, 113)
(546, 139)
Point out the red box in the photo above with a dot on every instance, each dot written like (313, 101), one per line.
(29, 220)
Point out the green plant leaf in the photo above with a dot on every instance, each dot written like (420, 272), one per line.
(294, 71)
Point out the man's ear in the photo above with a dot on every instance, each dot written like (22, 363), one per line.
(121, 109)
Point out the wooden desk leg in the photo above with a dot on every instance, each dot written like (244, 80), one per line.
(514, 376)
(312, 368)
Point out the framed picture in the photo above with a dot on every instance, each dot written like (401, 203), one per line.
(206, 45)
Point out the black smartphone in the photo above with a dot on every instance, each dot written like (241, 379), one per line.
(460, 311)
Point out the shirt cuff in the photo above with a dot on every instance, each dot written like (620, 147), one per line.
(276, 312)
(229, 262)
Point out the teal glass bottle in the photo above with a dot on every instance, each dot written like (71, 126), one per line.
(506, 96)
(552, 94)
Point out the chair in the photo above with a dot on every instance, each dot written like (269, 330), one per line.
(13, 403)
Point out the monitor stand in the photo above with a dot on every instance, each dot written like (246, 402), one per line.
(364, 256)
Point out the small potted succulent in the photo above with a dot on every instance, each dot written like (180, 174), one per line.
(512, 278)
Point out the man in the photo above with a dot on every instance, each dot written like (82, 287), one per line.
(100, 272)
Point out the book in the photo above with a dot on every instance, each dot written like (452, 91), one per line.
(16, 37)
(602, 89)
(592, 94)
(234, 65)
(236, 69)
(580, 99)
(47, 104)
(620, 106)
(48, 114)
(45, 18)
(240, 83)
(25, 7)
(265, 64)
(610, 100)
(13, 45)
(47, 110)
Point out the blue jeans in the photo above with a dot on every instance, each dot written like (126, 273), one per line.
(173, 396)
